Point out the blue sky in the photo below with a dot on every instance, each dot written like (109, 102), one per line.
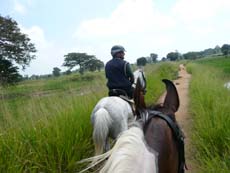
(142, 26)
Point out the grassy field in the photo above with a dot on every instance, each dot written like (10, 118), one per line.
(46, 133)
(45, 124)
(210, 110)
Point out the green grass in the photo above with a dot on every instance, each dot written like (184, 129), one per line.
(155, 74)
(53, 85)
(48, 135)
(45, 124)
(210, 109)
(221, 62)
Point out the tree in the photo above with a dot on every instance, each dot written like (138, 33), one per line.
(15, 47)
(67, 72)
(56, 71)
(8, 73)
(217, 49)
(225, 49)
(153, 57)
(163, 59)
(77, 59)
(99, 65)
(173, 56)
(141, 61)
(94, 64)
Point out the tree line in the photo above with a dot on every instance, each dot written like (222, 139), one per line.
(174, 56)
(16, 50)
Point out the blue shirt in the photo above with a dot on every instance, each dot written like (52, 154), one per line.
(119, 74)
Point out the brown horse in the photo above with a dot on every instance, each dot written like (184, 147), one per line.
(161, 130)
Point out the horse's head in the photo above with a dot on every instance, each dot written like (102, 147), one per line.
(162, 132)
(171, 101)
(170, 104)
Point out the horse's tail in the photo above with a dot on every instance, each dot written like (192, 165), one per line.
(102, 123)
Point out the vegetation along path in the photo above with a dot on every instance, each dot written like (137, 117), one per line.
(182, 115)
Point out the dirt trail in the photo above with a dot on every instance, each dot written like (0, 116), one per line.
(182, 115)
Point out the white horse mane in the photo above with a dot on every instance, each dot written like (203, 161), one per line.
(139, 74)
(129, 154)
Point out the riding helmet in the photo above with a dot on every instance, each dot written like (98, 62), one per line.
(117, 48)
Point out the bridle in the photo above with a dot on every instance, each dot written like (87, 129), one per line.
(147, 115)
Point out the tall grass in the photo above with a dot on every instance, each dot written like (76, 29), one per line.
(155, 74)
(45, 124)
(210, 109)
(48, 135)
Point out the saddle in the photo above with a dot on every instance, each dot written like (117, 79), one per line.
(123, 95)
(118, 92)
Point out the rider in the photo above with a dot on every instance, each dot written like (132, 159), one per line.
(119, 74)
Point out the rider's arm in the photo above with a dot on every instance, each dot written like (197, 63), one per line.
(129, 73)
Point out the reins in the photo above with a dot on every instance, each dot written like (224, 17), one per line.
(147, 115)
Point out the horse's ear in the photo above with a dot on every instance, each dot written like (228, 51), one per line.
(171, 99)
(139, 96)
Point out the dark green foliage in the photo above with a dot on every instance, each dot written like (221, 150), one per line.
(192, 55)
(68, 72)
(164, 59)
(82, 60)
(201, 54)
(210, 51)
(94, 64)
(153, 57)
(56, 71)
(15, 47)
(8, 73)
(141, 61)
(225, 49)
(173, 56)
(73, 59)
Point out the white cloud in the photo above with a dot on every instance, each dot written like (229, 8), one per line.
(36, 34)
(19, 7)
(48, 54)
(199, 10)
(142, 28)
(135, 24)
(131, 16)
(22, 6)
(205, 21)
(138, 25)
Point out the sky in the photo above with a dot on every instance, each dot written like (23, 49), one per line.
(59, 27)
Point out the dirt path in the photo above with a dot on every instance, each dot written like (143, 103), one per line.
(182, 115)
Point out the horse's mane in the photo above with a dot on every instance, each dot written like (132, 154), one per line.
(159, 107)
(129, 154)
